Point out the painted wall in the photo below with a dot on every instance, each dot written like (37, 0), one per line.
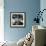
(28, 6)
(43, 6)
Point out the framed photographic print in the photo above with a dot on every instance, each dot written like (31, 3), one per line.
(17, 19)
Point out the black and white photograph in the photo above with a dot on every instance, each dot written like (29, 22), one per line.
(17, 19)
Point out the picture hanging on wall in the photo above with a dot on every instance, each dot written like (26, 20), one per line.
(17, 19)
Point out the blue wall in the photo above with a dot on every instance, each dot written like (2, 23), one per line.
(43, 6)
(28, 6)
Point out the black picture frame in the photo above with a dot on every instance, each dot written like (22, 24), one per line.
(17, 19)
